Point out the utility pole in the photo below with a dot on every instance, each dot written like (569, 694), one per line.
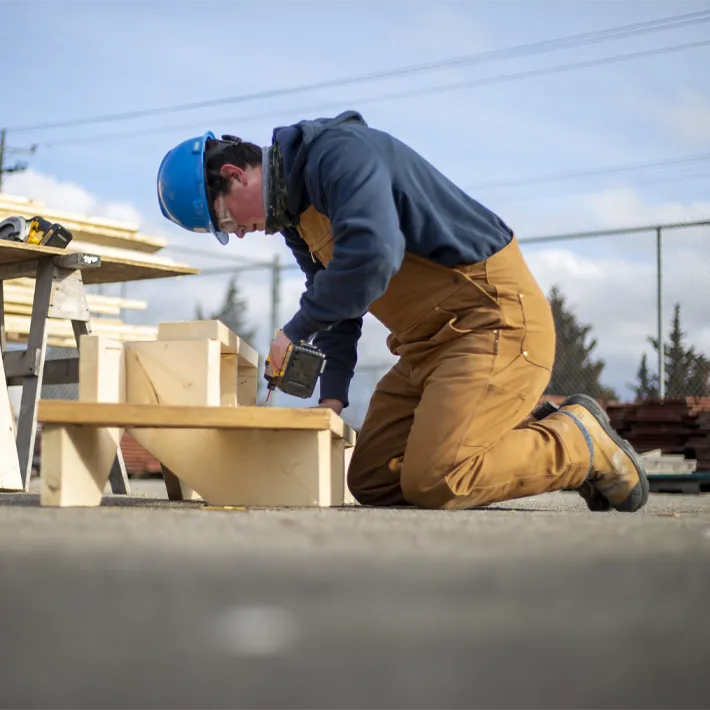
(275, 302)
(4, 150)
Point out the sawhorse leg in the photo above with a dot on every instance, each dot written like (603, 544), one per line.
(69, 302)
(32, 383)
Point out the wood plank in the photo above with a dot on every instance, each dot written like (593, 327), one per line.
(112, 269)
(17, 326)
(178, 372)
(210, 330)
(228, 380)
(336, 488)
(247, 359)
(191, 417)
(21, 291)
(102, 379)
(247, 385)
(73, 466)
(76, 461)
(251, 467)
(3, 339)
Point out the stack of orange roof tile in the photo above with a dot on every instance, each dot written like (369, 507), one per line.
(672, 425)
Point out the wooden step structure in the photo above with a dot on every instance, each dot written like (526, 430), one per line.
(189, 398)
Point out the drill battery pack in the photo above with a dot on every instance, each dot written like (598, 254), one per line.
(43, 232)
(37, 230)
(300, 370)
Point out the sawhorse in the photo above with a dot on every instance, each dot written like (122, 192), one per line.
(59, 293)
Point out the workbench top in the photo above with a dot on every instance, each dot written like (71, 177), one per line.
(112, 269)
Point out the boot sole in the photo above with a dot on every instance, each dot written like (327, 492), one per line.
(640, 492)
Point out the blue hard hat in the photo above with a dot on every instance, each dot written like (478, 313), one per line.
(182, 188)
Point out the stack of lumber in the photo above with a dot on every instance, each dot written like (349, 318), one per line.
(104, 237)
(657, 463)
(105, 320)
(675, 426)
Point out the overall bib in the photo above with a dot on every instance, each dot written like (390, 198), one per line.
(476, 346)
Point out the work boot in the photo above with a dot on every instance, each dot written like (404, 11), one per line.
(595, 501)
(616, 472)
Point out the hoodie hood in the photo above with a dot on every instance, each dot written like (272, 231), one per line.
(295, 143)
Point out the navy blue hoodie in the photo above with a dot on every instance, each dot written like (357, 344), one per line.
(383, 199)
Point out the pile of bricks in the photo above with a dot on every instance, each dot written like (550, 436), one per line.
(676, 426)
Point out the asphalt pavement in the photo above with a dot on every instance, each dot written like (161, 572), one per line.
(144, 603)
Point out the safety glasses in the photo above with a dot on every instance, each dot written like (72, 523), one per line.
(225, 221)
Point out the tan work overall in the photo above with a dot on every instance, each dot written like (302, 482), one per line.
(476, 346)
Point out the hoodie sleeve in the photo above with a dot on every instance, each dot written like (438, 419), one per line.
(339, 343)
(348, 181)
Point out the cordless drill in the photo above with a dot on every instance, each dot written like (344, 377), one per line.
(302, 365)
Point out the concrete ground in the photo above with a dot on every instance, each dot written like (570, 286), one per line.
(537, 604)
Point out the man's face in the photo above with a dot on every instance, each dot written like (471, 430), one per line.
(241, 209)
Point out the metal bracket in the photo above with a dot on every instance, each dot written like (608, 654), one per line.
(65, 261)
(21, 363)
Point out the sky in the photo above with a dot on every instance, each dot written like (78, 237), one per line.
(112, 57)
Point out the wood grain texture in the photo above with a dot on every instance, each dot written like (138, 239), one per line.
(178, 372)
(76, 461)
(112, 269)
(191, 417)
(251, 467)
(210, 330)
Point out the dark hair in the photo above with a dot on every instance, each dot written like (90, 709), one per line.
(230, 150)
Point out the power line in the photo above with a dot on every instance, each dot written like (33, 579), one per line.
(522, 50)
(254, 267)
(498, 79)
(658, 179)
(5, 150)
(668, 162)
(211, 254)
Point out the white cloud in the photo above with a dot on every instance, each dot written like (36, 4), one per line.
(685, 116)
(67, 197)
(623, 207)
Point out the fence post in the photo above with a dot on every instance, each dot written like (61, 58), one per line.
(275, 303)
(659, 314)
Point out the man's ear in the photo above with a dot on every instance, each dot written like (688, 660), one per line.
(230, 171)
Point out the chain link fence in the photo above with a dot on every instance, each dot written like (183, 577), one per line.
(612, 294)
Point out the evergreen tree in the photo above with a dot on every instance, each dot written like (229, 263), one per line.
(574, 369)
(647, 381)
(687, 371)
(232, 312)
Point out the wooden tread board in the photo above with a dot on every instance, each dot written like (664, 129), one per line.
(149, 416)
(112, 269)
